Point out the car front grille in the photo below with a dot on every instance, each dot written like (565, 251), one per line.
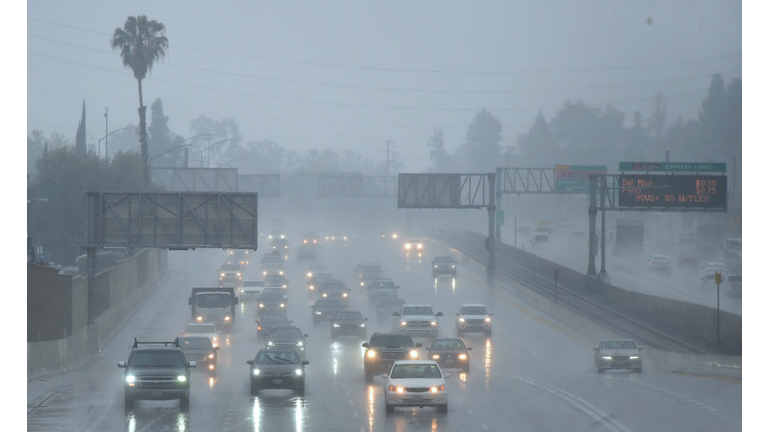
(419, 324)
(417, 401)
(474, 321)
(620, 358)
(195, 357)
(392, 355)
(417, 389)
(153, 382)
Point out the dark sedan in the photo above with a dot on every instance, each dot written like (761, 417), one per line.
(348, 323)
(277, 369)
(326, 309)
(450, 353)
(272, 302)
(200, 350)
(267, 322)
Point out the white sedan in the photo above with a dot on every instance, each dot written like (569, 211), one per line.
(415, 383)
(660, 262)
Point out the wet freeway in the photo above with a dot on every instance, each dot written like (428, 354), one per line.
(535, 373)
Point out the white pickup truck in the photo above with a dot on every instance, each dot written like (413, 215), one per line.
(416, 320)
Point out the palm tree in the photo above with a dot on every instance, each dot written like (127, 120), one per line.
(141, 42)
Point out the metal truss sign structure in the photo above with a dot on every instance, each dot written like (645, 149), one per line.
(356, 185)
(196, 179)
(445, 191)
(575, 178)
(174, 220)
(266, 185)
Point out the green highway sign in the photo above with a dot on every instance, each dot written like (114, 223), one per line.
(672, 166)
(575, 178)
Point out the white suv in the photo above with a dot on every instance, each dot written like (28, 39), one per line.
(474, 317)
(416, 320)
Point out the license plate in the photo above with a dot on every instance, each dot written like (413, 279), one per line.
(277, 381)
(157, 394)
(449, 361)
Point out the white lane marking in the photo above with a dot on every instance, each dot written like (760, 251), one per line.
(470, 411)
(355, 414)
(347, 393)
(484, 426)
(580, 404)
(351, 403)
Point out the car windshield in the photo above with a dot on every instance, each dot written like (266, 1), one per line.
(392, 303)
(334, 286)
(273, 319)
(383, 284)
(370, 269)
(415, 371)
(230, 267)
(286, 332)
(443, 260)
(417, 310)
(328, 304)
(385, 340)
(349, 316)
(278, 357)
(195, 343)
(201, 328)
(274, 279)
(474, 310)
(213, 300)
(448, 344)
(270, 296)
(618, 345)
(156, 358)
(253, 283)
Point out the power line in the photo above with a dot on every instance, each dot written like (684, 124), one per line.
(393, 89)
(351, 105)
(433, 71)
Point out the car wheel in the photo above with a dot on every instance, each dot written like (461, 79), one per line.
(254, 390)
(300, 391)
(184, 401)
(442, 409)
(389, 408)
(368, 377)
(128, 402)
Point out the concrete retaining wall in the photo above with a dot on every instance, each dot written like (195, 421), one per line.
(118, 289)
(686, 321)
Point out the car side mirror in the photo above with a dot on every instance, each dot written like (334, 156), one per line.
(306, 335)
(457, 314)
(121, 364)
(469, 348)
(250, 362)
(395, 313)
(365, 319)
(418, 345)
(397, 287)
(365, 344)
(439, 314)
(490, 314)
(594, 349)
(641, 348)
(384, 376)
(428, 349)
(304, 363)
(189, 301)
(192, 364)
(237, 301)
(216, 348)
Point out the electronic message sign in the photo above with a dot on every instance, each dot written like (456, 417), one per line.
(673, 191)
(575, 178)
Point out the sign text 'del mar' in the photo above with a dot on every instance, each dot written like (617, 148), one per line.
(673, 191)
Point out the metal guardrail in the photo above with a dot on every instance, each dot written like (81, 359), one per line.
(601, 313)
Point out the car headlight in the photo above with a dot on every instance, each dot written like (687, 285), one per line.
(312, 287)
(264, 273)
(433, 323)
(403, 323)
(396, 389)
(285, 286)
(362, 325)
(222, 275)
(318, 313)
(606, 357)
(130, 378)
(261, 305)
(298, 372)
(487, 319)
(336, 325)
(462, 356)
(414, 354)
(280, 272)
(227, 318)
(408, 246)
(270, 343)
(435, 356)
(362, 283)
(435, 266)
(394, 236)
(461, 319)
(436, 389)
(210, 356)
(282, 305)
(305, 241)
(418, 246)
(181, 378)
(256, 372)
(309, 274)
(325, 294)
(211, 367)
(300, 343)
(344, 295)
(453, 266)
(634, 357)
(199, 318)
(371, 353)
(215, 338)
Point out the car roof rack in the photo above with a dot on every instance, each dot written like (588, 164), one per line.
(175, 343)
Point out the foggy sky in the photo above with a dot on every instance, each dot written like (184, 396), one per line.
(535, 37)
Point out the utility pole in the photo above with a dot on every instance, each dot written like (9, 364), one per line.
(106, 134)
(392, 143)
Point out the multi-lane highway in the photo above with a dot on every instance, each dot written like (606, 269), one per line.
(535, 373)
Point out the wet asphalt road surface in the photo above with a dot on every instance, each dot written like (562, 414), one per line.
(535, 373)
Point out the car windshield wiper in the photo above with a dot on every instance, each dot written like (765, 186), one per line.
(281, 360)
(166, 365)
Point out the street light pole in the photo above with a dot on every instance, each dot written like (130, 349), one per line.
(208, 149)
(105, 137)
(106, 134)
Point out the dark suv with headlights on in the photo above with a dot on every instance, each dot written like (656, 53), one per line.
(348, 323)
(277, 369)
(284, 337)
(384, 349)
(200, 349)
(156, 371)
(443, 265)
